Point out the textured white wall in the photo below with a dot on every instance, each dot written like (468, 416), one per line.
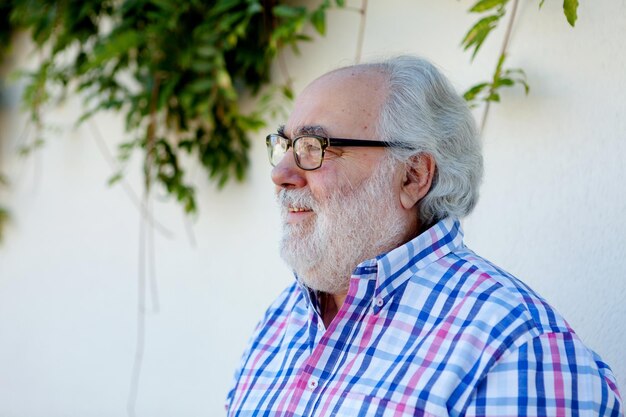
(551, 212)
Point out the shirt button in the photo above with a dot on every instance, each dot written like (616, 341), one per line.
(379, 302)
(320, 326)
(312, 384)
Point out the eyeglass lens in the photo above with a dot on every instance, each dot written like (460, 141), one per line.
(308, 151)
(277, 149)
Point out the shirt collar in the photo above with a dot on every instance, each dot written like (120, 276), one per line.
(392, 269)
(401, 263)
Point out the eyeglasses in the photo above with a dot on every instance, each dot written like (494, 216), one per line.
(308, 150)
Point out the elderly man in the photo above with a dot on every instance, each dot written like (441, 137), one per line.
(390, 313)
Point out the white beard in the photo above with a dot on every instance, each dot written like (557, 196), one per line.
(350, 226)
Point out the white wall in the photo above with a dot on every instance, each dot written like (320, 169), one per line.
(551, 212)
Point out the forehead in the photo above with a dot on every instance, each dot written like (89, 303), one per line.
(344, 103)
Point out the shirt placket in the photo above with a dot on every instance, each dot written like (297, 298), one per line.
(310, 384)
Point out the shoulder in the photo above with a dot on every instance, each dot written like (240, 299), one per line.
(480, 308)
(494, 292)
(551, 374)
(510, 344)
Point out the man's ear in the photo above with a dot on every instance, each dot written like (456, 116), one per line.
(417, 179)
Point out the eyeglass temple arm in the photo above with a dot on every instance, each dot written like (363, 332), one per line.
(357, 142)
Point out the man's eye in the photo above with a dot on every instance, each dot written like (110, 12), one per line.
(310, 147)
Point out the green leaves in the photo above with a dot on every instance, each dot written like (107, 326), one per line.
(112, 47)
(570, 8)
(318, 19)
(114, 179)
(472, 94)
(475, 37)
(289, 12)
(175, 70)
(479, 32)
(489, 91)
(484, 5)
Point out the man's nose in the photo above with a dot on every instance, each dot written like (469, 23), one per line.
(286, 174)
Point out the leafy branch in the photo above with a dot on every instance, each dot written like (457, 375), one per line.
(488, 91)
(492, 11)
(175, 70)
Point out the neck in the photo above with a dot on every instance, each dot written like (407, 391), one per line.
(339, 299)
(330, 304)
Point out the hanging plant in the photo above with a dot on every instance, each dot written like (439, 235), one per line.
(175, 70)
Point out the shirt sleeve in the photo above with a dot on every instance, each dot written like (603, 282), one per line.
(553, 374)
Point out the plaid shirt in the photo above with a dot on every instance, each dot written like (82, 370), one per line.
(428, 329)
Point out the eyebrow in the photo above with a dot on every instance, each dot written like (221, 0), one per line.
(305, 130)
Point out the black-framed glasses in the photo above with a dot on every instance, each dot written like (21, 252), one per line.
(308, 150)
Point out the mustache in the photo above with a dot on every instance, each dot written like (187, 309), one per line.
(302, 198)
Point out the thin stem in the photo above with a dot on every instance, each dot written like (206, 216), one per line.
(132, 195)
(154, 288)
(140, 318)
(190, 233)
(187, 218)
(503, 49)
(146, 254)
(285, 70)
(22, 137)
(509, 28)
(359, 44)
(151, 131)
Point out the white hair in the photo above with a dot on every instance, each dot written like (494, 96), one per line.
(424, 114)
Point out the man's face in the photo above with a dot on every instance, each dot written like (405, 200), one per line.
(342, 213)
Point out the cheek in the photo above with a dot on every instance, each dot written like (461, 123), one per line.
(338, 177)
(322, 182)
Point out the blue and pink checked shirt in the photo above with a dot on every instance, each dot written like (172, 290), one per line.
(428, 329)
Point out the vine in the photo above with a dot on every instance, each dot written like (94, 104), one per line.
(361, 34)
(175, 70)
(492, 11)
